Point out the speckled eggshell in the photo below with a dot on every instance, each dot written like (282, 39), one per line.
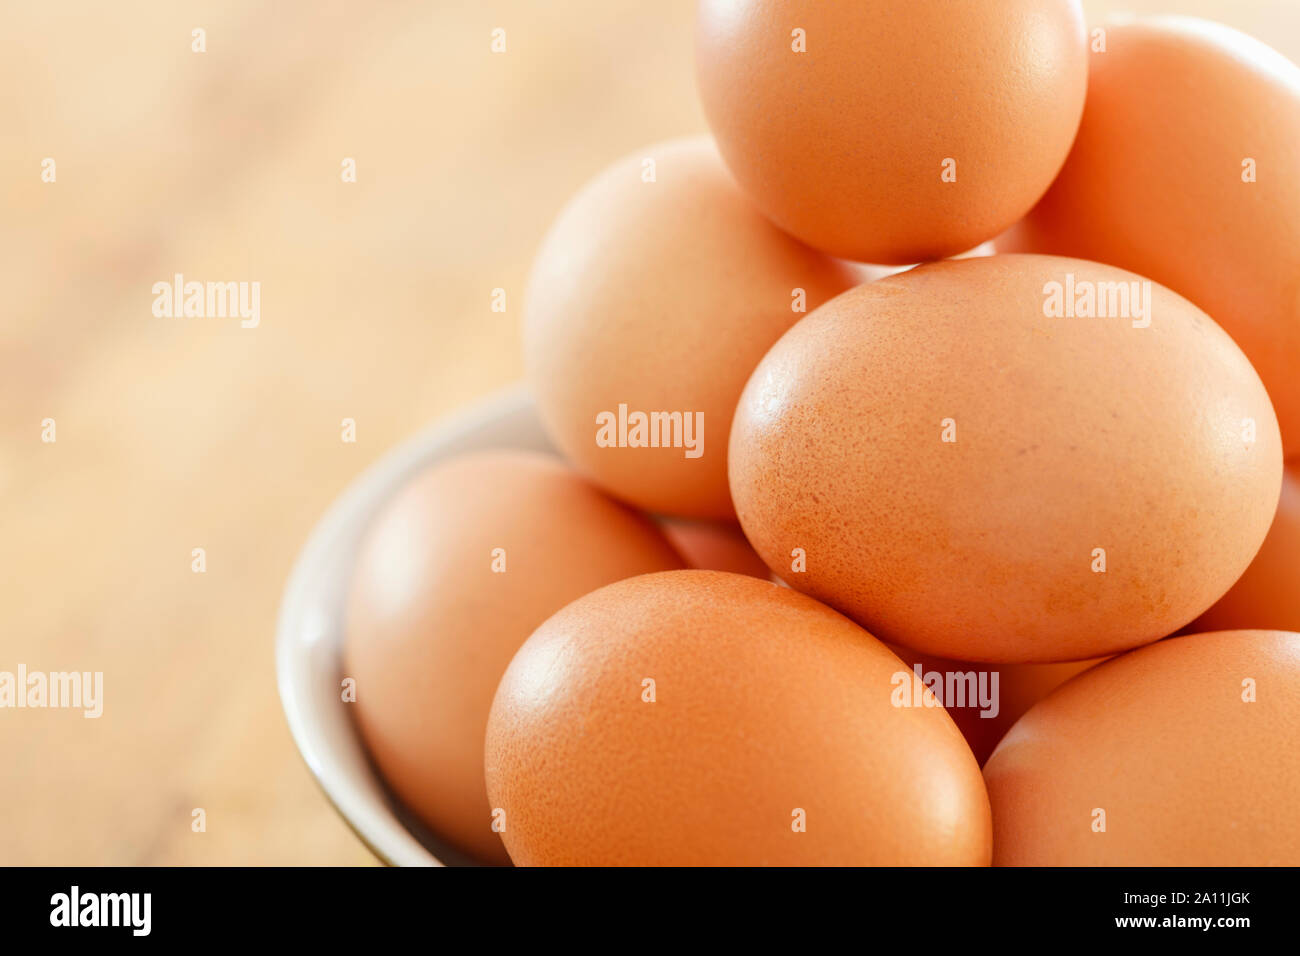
(1074, 441)
(906, 130)
(772, 737)
(1187, 752)
(1155, 183)
(431, 625)
(661, 294)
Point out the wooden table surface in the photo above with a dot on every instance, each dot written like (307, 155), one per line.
(183, 433)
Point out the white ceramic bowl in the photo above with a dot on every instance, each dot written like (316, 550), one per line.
(309, 638)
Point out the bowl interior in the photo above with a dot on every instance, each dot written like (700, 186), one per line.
(309, 636)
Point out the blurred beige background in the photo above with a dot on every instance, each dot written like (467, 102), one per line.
(174, 434)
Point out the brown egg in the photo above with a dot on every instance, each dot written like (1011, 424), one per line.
(893, 132)
(1187, 170)
(961, 470)
(1185, 752)
(985, 700)
(1268, 594)
(657, 298)
(705, 718)
(715, 546)
(453, 575)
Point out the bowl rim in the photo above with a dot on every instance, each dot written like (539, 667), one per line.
(369, 811)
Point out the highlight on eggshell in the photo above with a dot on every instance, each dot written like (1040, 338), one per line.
(869, 272)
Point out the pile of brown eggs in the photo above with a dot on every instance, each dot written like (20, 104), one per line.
(829, 537)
